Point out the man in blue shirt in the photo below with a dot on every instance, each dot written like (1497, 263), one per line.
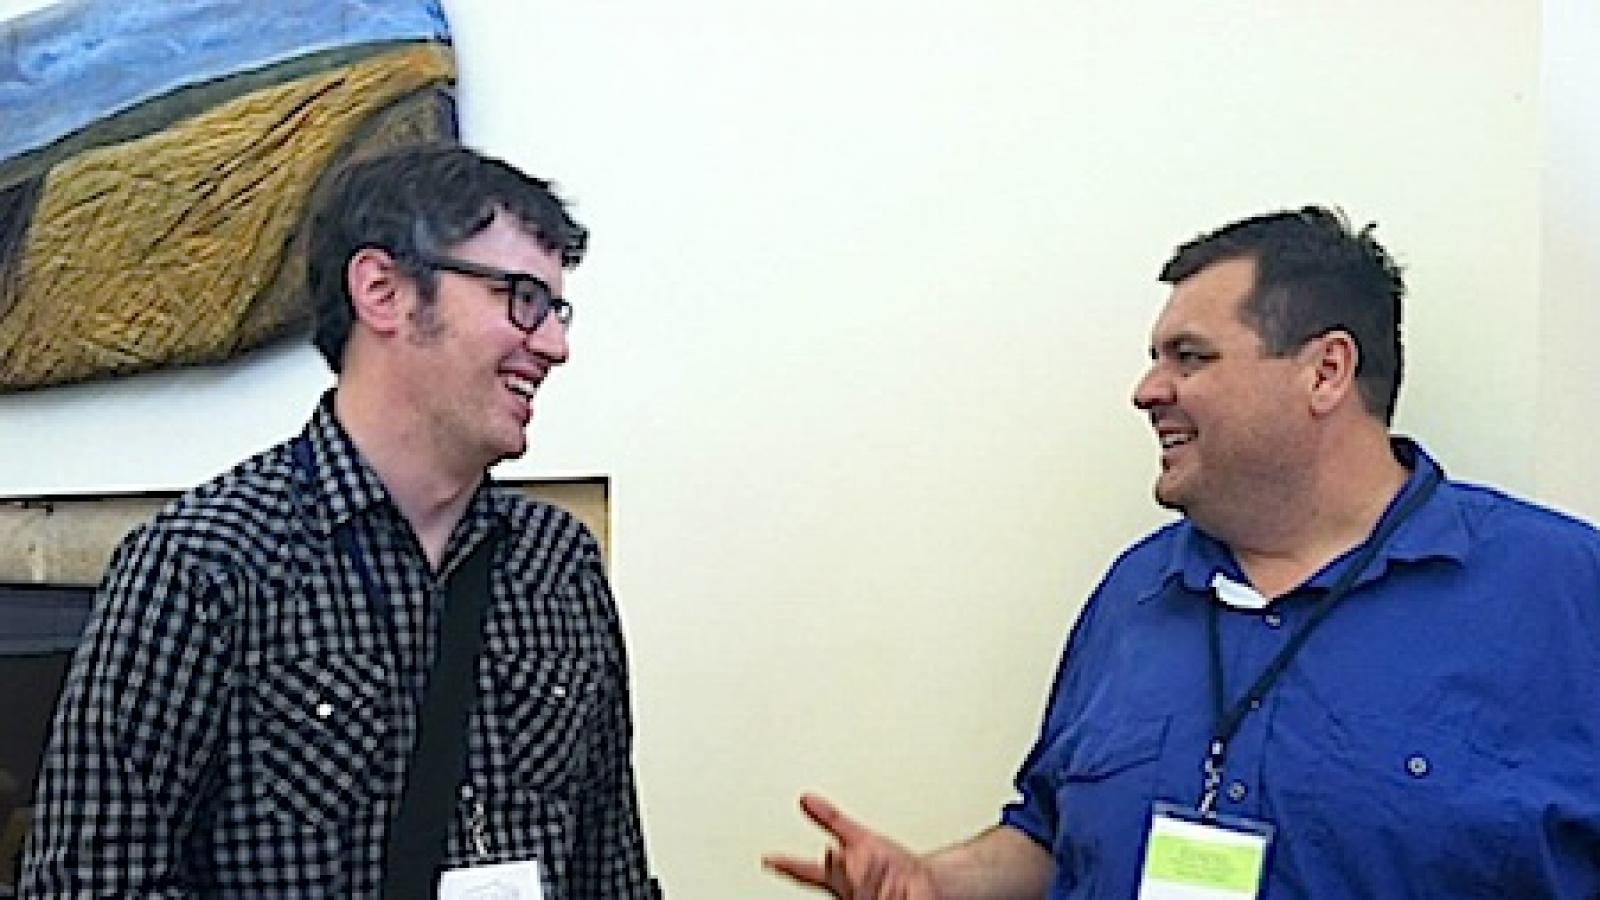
(1385, 681)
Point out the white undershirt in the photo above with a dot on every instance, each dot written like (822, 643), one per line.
(1236, 594)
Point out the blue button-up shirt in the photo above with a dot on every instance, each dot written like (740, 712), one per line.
(1437, 736)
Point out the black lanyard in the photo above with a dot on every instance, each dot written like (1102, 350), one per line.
(379, 598)
(1227, 719)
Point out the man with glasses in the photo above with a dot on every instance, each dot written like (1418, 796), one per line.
(1340, 674)
(354, 666)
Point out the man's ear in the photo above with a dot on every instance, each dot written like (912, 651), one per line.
(377, 289)
(1335, 359)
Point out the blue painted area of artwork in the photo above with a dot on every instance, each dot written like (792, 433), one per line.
(68, 65)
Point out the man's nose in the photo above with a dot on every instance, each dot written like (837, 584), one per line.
(1152, 389)
(549, 341)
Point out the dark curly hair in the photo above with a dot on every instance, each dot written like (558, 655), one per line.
(413, 202)
(1314, 274)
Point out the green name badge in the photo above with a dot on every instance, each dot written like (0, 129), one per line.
(1190, 857)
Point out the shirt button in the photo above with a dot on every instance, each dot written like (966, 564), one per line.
(1417, 766)
(1255, 702)
(324, 710)
(1236, 791)
(1273, 620)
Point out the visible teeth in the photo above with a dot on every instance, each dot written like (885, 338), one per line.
(1168, 441)
(519, 385)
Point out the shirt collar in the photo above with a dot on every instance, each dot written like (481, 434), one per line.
(1436, 530)
(345, 486)
(342, 484)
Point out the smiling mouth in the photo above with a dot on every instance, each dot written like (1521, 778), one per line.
(1175, 439)
(521, 386)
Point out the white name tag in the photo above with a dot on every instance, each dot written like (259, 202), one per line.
(1189, 858)
(496, 881)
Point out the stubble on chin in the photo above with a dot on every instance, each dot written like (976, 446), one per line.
(515, 447)
(1165, 495)
(513, 453)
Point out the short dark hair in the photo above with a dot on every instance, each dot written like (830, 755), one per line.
(412, 202)
(1314, 274)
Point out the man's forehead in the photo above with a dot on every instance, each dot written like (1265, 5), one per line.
(1206, 301)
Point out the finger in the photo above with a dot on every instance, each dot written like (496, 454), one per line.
(802, 870)
(831, 818)
(870, 883)
(838, 876)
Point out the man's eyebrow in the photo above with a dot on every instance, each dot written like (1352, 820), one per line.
(1179, 340)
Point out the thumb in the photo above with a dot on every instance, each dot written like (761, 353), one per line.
(802, 870)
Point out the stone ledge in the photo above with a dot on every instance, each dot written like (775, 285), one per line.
(68, 540)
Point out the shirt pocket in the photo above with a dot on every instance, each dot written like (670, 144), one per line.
(547, 705)
(1390, 809)
(322, 728)
(1103, 774)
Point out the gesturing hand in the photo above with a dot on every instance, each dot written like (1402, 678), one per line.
(862, 865)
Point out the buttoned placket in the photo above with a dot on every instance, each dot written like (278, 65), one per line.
(1249, 640)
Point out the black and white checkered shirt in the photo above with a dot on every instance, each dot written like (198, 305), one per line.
(239, 716)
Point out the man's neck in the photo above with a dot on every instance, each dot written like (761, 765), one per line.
(1340, 511)
(430, 489)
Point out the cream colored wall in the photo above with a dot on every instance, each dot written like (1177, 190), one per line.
(1570, 256)
(869, 287)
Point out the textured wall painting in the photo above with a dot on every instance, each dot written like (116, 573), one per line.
(157, 158)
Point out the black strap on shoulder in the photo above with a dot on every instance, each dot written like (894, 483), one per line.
(416, 842)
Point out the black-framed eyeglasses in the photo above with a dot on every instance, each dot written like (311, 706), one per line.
(528, 298)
